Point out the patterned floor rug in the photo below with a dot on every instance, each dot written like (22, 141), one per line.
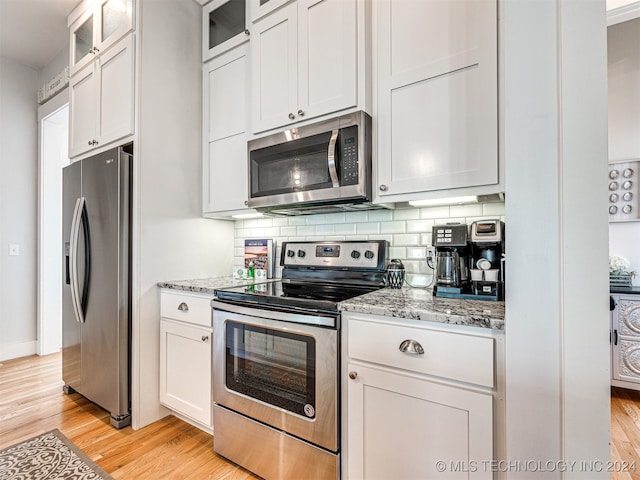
(50, 456)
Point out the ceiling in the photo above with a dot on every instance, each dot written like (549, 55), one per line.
(34, 32)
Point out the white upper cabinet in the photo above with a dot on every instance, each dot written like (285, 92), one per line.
(101, 99)
(437, 96)
(224, 26)
(97, 28)
(225, 107)
(304, 62)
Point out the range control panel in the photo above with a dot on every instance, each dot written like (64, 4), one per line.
(355, 254)
(623, 191)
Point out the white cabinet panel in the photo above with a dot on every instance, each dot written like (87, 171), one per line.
(456, 356)
(225, 116)
(116, 92)
(274, 74)
(424, 421)
(101, 99)
(185, 370)
(437, 97)
(186, 307)
(227, 175)
(304, 62)
(83, 110)
(95, 29)
(326, 56)
(427, 155)
(227, 96)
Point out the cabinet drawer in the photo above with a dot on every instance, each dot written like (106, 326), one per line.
(186, 307)
(456, 356)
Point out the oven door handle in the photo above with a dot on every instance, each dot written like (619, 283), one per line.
(271, 313)
(331, 159)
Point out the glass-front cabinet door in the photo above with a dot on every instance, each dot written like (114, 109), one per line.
(224, 26)
(82, 41)
(97, 28)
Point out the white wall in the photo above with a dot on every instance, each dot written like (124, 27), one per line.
(557, 343)
(173, 240)
(623, 54)
(18, 197)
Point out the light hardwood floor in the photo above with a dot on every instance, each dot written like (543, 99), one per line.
(32, 402)
(625, 433)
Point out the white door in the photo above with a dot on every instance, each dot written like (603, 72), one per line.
(116, 92)
(185, 370)
(53, 155)
(83, 113)
(274, 74)
(400, 426)
(327, 58)
(437, 95)
(225, 120)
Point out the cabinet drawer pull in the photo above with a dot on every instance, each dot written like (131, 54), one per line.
(205, 338)
(411, 347)
(183, 307)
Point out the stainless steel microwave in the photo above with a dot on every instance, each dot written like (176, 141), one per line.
(321, 167)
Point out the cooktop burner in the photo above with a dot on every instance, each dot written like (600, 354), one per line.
(289, 293)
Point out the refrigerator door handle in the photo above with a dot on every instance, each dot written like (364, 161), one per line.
(73, 259)
(84, 219)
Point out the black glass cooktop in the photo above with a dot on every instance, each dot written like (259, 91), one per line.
(293, 294)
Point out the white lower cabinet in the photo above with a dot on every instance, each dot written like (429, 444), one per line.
(407, 414)
(401, 426)
(185, 357)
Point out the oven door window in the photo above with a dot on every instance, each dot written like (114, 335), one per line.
(273, 366)
(294, 166)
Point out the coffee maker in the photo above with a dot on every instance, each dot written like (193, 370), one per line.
(452, 260)
(487, 259)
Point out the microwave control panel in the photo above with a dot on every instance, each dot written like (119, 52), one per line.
(349, 155)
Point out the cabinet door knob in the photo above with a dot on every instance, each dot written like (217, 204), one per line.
(383, 188)
(247, 32)
(301, 113)
(246, 202)
(205, 338)
(183, 307)
(411, 347)
(353, 375)
(291, 116)
(90, 142)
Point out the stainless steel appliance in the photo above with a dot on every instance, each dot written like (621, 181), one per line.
(277, 359)
(452, 259)
(96, 294)
(487, 258)
(317, 168)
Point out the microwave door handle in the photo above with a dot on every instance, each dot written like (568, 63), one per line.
(331, 159)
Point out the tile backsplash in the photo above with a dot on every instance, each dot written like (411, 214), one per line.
(408, 231)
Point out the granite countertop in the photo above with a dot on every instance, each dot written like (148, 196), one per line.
(207, 285)
(407, 302)
(420, 304)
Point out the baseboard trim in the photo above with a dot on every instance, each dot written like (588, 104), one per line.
(9, 351)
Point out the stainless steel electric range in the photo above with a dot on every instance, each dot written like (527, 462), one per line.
(277, 359)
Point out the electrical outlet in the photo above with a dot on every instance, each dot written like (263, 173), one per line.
(14, 249)
(431, 252)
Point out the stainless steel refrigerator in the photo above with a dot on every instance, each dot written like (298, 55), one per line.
(96, 293)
